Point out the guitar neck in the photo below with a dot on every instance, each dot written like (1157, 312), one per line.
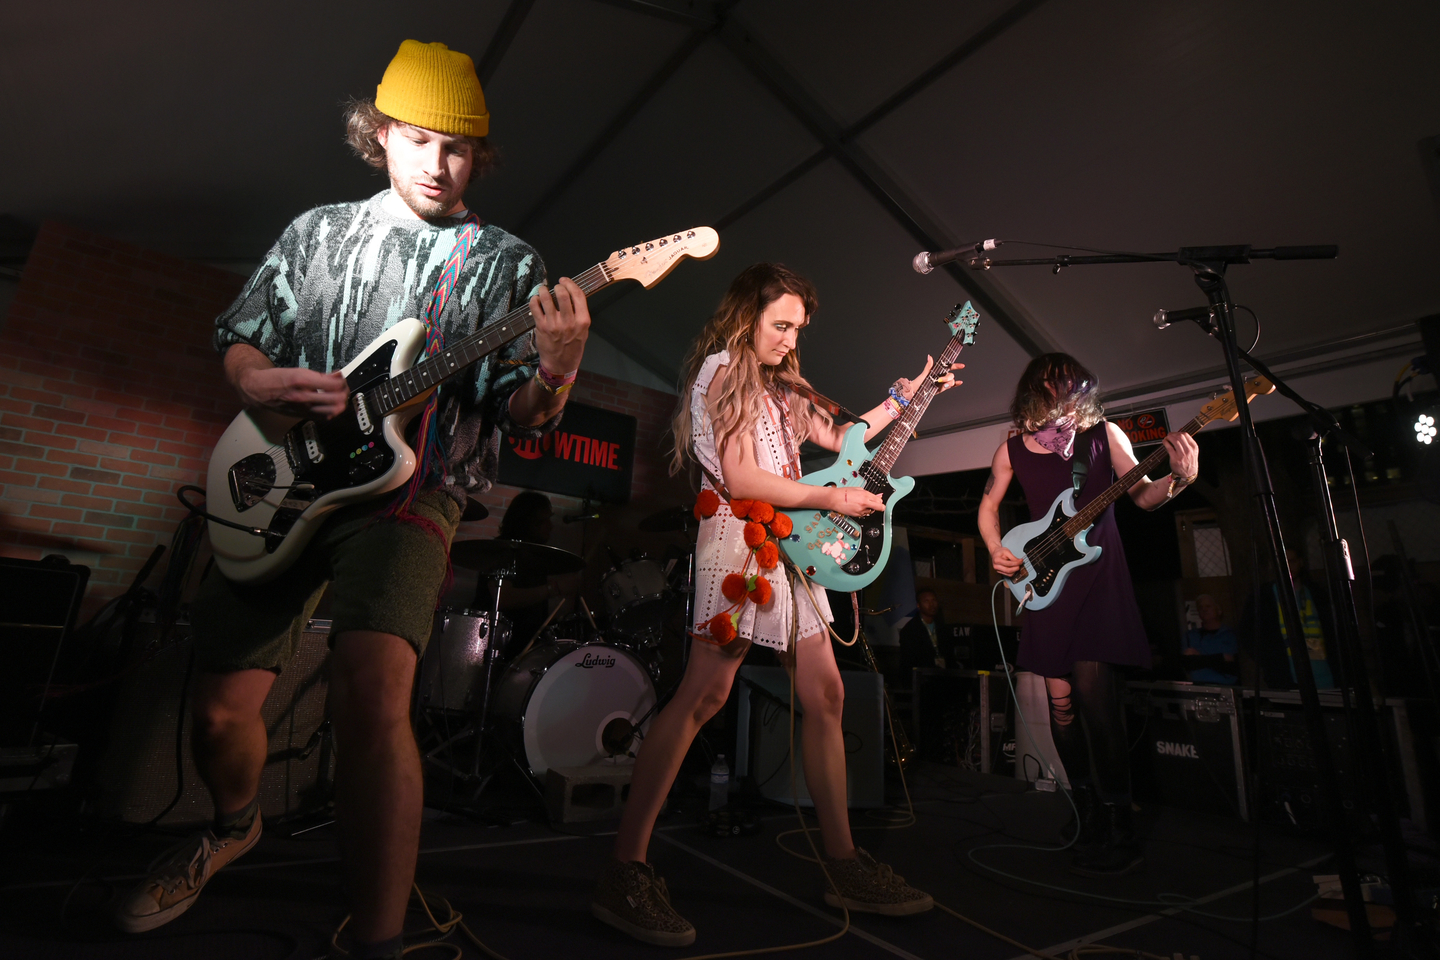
(1094, 508)
(904, 426)
(453, 359)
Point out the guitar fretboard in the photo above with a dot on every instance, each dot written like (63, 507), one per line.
(889, 450)
(432, 371)
(1086, 516)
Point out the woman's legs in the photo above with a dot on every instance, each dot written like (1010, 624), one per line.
(1095, 689)
(821, 693)
(702, 691)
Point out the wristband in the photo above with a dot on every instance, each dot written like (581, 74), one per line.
(898, 392)
(1180, 482)
(555, 384)
(898, 397)
(892, 408)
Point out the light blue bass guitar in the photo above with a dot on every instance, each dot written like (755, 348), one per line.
(1051, 547)
(848, 553)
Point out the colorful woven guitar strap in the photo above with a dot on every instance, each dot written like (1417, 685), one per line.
(429, 450)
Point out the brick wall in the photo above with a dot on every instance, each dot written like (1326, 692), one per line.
(110, 398)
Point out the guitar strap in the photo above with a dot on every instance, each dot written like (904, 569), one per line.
(1079, 466)
(429, 452)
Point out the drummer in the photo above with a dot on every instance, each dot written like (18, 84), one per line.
(528, 598)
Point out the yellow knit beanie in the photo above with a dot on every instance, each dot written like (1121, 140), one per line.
(432, 86)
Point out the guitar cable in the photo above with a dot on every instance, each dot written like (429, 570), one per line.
(201, 512)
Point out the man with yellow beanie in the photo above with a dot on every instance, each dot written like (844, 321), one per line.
(337, 278)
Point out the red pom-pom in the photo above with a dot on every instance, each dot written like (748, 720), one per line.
(741, 508)
(762, 512)
(733, 587)
(761, 593)
(706, 504)
(768, 555)
(722, 628)
(754, 535)
(781, 525)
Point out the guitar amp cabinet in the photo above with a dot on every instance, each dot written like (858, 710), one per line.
(762, 747)
(137, 773)
(1186, 747)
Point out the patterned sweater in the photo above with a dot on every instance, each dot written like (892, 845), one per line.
(341, 275)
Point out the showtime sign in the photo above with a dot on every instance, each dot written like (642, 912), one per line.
(591, 454)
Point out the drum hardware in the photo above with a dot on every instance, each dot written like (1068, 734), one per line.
(638, 596)
(496, 560)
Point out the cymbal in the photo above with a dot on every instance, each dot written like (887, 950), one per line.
(491, 556)
(671, 518)
(474, 510)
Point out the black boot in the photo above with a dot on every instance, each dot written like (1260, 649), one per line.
(1089, 818)
(1119, 850)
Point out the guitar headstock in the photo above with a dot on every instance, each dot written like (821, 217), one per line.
(649, 262)
(962, 321)
(1224, 408)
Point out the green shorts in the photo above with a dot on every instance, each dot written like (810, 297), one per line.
(384, 575)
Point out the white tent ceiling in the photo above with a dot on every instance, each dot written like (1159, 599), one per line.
(840, 137)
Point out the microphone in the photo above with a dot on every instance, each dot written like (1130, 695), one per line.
(1164, 318)
(925, 261)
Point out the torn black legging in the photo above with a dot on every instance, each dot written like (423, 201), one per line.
(1095, 747)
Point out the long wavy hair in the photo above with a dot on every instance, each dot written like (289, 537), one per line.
(746, 380)
(364, 121)
(1050, 383)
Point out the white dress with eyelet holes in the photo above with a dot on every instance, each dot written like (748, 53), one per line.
(721, 547)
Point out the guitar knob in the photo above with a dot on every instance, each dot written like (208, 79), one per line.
(873, 533)
(853, 568)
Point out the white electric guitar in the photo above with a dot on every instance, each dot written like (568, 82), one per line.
(273, 478)
(1054, 545)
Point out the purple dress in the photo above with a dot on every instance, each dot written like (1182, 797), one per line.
(1095, 617)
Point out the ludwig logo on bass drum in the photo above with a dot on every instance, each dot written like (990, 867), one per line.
(595, 660)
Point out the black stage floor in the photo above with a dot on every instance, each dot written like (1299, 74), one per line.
(525, 889)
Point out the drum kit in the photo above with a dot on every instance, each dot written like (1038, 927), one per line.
(581, 691)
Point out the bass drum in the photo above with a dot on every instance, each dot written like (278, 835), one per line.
(573, 705)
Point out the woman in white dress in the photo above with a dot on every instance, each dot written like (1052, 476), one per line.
(743, 422)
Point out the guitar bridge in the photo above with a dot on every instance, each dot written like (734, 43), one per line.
(251, 479)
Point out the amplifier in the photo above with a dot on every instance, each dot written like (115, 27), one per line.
(137, 774)
(38, 603)
(762, 739)
(1289, 784)
(1185, 747)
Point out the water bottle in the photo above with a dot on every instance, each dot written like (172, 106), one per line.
(719, 783)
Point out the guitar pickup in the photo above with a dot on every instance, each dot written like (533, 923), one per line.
(313, 450)
(362, 415)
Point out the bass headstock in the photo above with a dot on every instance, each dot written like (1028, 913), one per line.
(1224, 408)
(649, 262)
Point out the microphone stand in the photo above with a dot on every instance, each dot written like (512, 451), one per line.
(1209, 264)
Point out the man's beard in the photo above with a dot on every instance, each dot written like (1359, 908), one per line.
(422, 205)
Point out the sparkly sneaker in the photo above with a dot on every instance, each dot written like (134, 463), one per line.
(868, 885)
(633, 898)
(177, 878)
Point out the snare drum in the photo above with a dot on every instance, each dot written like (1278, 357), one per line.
(452, 670)
(573, 705)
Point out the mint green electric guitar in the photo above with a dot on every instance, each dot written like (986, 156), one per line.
(848, 553)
